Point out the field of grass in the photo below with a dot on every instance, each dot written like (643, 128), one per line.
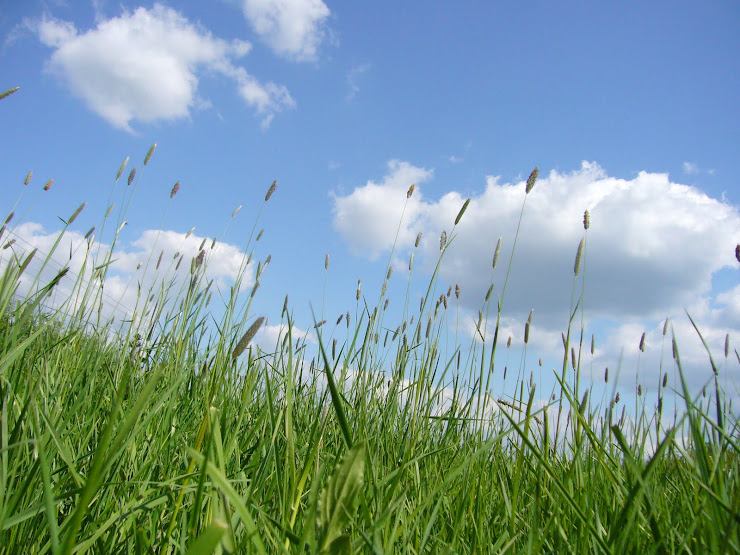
(170, 433)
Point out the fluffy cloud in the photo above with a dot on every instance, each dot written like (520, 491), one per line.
(149, 264)
(143, 66)
(291, 28)
(369, 217)
(652, 249)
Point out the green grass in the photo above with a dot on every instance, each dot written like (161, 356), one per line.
(152, 436)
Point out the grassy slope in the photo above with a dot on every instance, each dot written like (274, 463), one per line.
(157, 437)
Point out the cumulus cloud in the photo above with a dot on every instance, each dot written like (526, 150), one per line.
(133, 273)
(291, 28)
(144, 66)
(368, 217)
(652, 249)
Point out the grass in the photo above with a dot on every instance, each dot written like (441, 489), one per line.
(172, 433)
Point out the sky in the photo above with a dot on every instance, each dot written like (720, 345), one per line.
(629, 110)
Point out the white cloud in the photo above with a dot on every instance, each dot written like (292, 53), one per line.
(133, 267)
(652, 249)
(143, 66)
(291, 28)
(368, 218)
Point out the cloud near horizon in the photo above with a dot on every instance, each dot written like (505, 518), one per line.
(134, 265)
(652, 249)
(144, 66)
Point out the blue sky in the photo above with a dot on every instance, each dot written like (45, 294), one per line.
(629, 111)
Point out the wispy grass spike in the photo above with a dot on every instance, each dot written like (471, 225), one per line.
(8, 92)
(149, 153)
(247, 337)
(271, 190)
(462, 211)
(76, 213)
(121, 168)
(531, 179)
(579, 255)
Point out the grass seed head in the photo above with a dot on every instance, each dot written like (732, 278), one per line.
(326, 262)
(149, 153)
(526, 332)
(727, 345)
(175, 188)
(642, 343)
(339, 320)
(579, 255)
(531, 179)
(411, 262)
(462, 211)
(457, 291)
(10, 217)
(606, 375)
(359, 289)
(411, 190)
(247, 337)
(76, 213)
(8, 92)
(120, 170)
(90, 232)
(28, 178)
(48, 185)
(190, 232)
(488, 294)
(418, 240)
(586, 220)
(665, 327)
(131, 176)
(496, 253)
(442, 240)
(665, 379)
(592, 343)
(737, 252)
(271, 190)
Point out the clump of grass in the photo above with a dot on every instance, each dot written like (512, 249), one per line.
(171, 436)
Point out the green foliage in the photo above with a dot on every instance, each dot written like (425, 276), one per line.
(151, 436)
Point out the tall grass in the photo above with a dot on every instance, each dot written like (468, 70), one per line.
(166, 434)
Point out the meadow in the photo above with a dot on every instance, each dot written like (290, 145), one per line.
(172, 432)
